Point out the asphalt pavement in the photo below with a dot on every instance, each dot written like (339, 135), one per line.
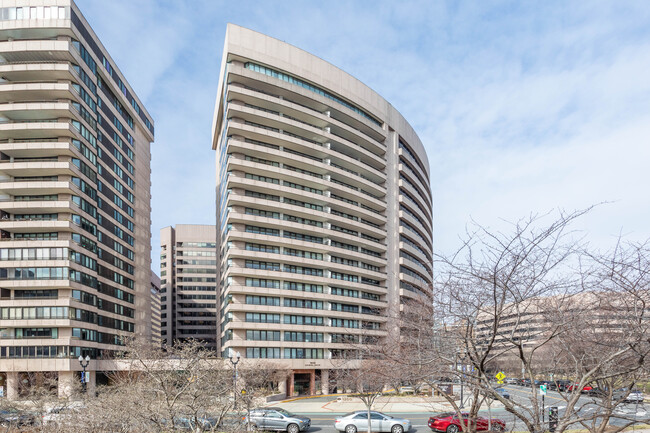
(323, 409)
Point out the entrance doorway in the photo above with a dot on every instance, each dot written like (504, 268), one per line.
(301, 383)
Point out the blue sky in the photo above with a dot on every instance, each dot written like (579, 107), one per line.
(523, 107)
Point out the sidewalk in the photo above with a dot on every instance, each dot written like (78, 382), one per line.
(343, 404)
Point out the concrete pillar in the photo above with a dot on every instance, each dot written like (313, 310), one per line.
(282, 387)
(312, 382)
(12, 385)
(325, 381)
(91, 384)
(290, 385)
(66, 383)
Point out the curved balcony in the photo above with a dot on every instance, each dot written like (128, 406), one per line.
(35, 71)
(239, 74)
(320, 150)
(58, 206)
(305, 114)
(424, 231)
(39, 91)
(33, 111)
(36, 167)
(38, 188)
(38, 129)
(37, 149)
(406, 171)
(413, 251)
(238, 271)
(25, 226)
(418, 204)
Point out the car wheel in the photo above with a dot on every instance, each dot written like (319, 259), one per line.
(453, 428)
(293, 428)
(350, 429)
(397, 429)
(497, 427)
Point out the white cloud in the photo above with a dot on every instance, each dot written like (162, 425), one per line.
(522, 107)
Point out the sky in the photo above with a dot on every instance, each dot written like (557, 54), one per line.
(523, 107)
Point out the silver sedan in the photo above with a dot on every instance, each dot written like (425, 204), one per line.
(358, 422)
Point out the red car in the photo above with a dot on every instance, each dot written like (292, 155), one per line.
(586, 388)
(448, 422)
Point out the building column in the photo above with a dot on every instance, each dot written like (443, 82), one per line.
(66, 383)
(282, 387)
(90, 386)
(12, 385)
(325, 381)
(312, 382)
(290, 387)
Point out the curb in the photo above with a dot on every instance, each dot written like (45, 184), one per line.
(308, 397)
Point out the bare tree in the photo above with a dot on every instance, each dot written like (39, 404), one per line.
(185, 386)
(534, 300)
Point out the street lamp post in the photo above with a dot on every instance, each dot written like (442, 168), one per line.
(234, 360)
(462, 405)
(460, 368)
(83, 373)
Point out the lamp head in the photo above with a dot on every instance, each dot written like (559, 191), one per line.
(87, 358)
(238, 355)
(81, 358)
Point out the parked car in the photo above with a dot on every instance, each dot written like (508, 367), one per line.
(511, 380)
(379, 422)
(278, 419)
(559, 385)
(526, 382)
(503, 393)
(634, 396)
(56, 414)
(15, 418)
(448, 422)
(597, 392)
(585, 389)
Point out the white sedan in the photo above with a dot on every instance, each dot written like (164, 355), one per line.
(358, 422)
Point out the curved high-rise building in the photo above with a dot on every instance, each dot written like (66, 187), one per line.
(324, 210)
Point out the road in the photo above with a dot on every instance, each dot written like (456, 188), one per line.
(325, 423)
(322, 422)
(586, 404)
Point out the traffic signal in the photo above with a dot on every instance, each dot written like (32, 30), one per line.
(552, 418)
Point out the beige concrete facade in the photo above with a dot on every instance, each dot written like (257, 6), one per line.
(188, 270)
(75, 210)
(155, 309)
(324, 211)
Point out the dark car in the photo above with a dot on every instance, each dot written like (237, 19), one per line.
(526, 382)
(448, 422)
(503, 393)
(559, 385)
(15, 418)
(278, 419)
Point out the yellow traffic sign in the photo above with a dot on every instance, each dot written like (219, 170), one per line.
(500, 382)
(500, 376)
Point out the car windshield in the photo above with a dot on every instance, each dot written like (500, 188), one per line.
(284, 412)
(443, 415)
